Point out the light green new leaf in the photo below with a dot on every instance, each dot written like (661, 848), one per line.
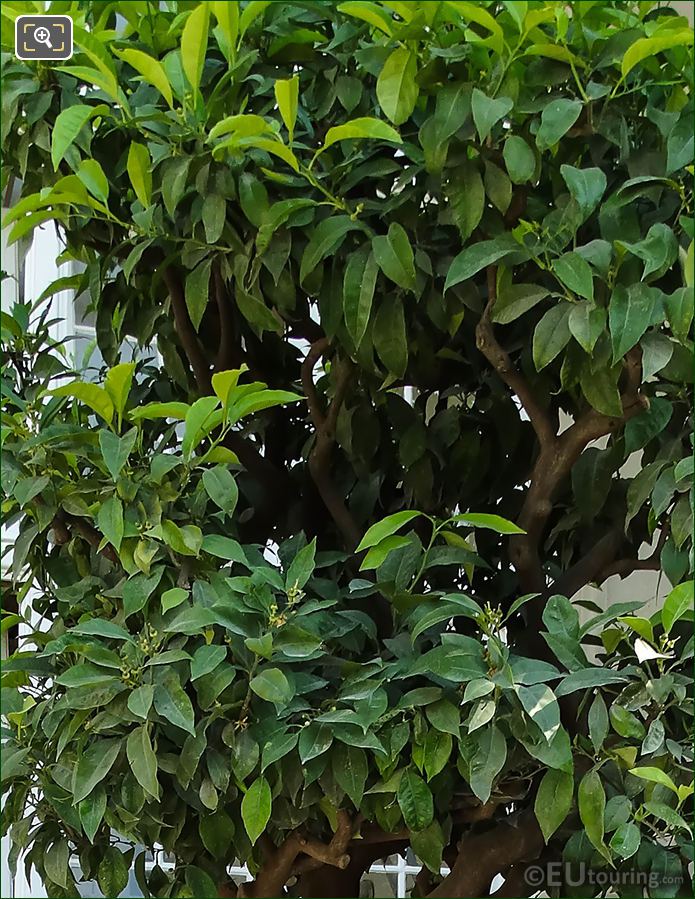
(650, 46)
(377, 554)
(287, 96)
(227, 15)
(66, 127)
(678, 604)
(301, 567)
(575, 273)
(490, 522)
(110, 521)
(552, 335)
(200, 419)
(256, 807)
(371, 13)
(385, 527)
(139, 172)
(394, 255)
(118, 383)
(361, 129)
(91, 395)
(92, 176)
(143, 761)
(415, 801)
(556, 120)
(361, 274)
(655, 775)
(396, 87)
(488, 112)
(197, 291)
(194, 44)
(553, 801)
(151, 70)
(177, 411)
(389, 337)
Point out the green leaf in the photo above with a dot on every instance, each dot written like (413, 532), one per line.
(519, 159)
(389, 337)
(394, 255)
(326, 238)
(396, 87)
(91, 811)
(592, 804)
(112, 873)
(415, 801)
(118, 383)
(647, 424)
(629, 315)
(350, 771)
(650, 46)
(586, 678)
(287, 97)
(206, 659)
(601, 390)
(677, 605)
(177, 411)
(488, 760)
(172, 703)
(173, 598)
(385, 527)
(466, 195)
(110, 521)
(586, 323)
(217, 830)
(377, 555)
(139, 172)
(194, 43)
(626, 723)
(116, 450)
(256, 807)
(92, 767)
(273, 686)
(224, 548)
(498, 187)
(516, 299)
(186, 540)
(625, 841)
(368, 12)
(553, 801)
(143, 761)
(92, 176)
(598, 722)
(97, 627)
(586, 187)
(428, 846)
(679, 310)
(556, 120)
(199, 882)
(658, 250)
(476, 257)
(488, 112)
(444, 716)
(541, 706)
(214, 215)
(489, 522)
(138, 589)
(220, 485)
(55, 862)
(151, 70)
(437, 752)
(140, 700)
(66, 127)
(361, 274)
(314, 740)
(574, 272)
(362, 128)
(89, 394)
(552, 335)
(174, 182)
(301, 567)
(197, 291)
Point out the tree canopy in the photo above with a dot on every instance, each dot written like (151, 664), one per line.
(299, 590)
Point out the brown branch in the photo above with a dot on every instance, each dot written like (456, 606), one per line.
(64, 524)
(625, 567)
(227, 357)
(320, 456)
(186, 331)
(501, 361)
(483, 855)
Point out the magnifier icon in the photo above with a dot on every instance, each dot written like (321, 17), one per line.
(43, 36)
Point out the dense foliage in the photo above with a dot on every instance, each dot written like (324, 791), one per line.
(240, 639)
